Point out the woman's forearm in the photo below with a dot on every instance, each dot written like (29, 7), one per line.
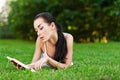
(35, 58)
(57, 64)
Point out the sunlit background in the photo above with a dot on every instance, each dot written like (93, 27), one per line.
(88, 21)
(2, 3)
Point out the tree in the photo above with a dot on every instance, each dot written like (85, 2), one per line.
(87, 20)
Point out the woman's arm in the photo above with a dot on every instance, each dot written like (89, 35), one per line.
(38, 50)
(68, 61)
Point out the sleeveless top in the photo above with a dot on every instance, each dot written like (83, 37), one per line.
(45, 54)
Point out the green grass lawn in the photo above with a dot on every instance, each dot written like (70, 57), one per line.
(92, 61)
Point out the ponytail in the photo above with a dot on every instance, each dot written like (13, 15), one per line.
(61, 47)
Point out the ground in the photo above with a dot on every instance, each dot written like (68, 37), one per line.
(92, 61)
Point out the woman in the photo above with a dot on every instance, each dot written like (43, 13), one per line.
(53, 47)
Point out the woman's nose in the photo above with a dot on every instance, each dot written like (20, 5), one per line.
(39, 33)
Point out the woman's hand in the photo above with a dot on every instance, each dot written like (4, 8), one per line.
(38, 65)
(31, 65)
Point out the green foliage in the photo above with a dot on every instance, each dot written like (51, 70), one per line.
(91, 62)
(81, 17)
(5, 31)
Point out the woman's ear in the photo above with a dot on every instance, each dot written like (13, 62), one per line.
(53, 25)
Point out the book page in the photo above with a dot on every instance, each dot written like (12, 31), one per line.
(19, 64)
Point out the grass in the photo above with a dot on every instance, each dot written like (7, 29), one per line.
(92, 61)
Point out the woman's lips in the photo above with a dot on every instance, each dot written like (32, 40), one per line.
(41, 37)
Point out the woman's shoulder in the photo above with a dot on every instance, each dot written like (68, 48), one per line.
(68, 36)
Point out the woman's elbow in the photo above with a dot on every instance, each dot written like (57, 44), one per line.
(63, 66)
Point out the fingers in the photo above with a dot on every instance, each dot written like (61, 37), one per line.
(31, 65)
(38, 66)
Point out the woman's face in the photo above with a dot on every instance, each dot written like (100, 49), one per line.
(43, 29)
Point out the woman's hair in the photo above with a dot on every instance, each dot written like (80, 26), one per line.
(61, 46)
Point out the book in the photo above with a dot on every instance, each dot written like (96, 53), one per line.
(19, 65)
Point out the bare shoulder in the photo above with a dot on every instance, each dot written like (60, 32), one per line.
(68, 36)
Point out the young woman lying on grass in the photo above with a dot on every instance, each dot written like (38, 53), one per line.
(53, 47)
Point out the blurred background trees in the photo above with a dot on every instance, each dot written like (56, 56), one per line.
(4, 29)
(86, 20)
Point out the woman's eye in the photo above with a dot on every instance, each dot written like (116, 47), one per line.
(41, 28)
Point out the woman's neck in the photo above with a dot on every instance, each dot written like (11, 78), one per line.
(54, 38)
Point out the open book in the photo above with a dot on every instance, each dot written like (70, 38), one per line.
(19, 64)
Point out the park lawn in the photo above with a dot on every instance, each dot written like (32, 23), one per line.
(92, 61)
